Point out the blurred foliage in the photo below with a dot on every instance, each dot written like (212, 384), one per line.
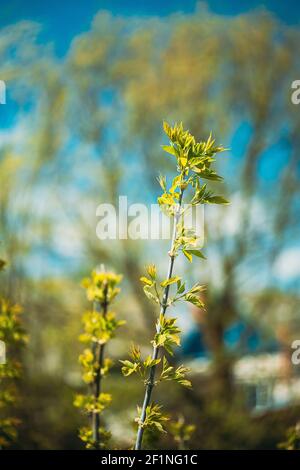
(12, 337)
(181, 432)
(86, 132)
(100, 326)
(293, 439)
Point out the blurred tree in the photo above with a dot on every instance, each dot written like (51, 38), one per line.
(85, 136)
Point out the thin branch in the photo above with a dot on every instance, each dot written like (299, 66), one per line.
(99, 353)
(156, 349)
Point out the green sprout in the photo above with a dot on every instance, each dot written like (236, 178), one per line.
(194, 162)
(100, 325)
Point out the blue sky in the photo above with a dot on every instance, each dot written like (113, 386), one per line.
(62, 20)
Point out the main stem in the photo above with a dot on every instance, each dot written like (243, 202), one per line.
(97, 382)
(156, 349)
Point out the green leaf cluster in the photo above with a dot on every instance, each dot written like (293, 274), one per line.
(191, 155)
(91, 404)
(167, 334)
(154, 418)
(187, 242)
(86, 435)
(14, 337)
(91, 366)
(100, 325)
(194, 160)
(154, 289)
(102, 286)
(11, 329)
(142, 367)
(176, 374)
(136, 364)
(202, 195)
(98, 328)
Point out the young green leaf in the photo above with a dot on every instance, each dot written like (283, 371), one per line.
(169, 149)
(217, 200)
(129, 367)
(147, 281)
(188, 255)
(197, 253)
(168, 282)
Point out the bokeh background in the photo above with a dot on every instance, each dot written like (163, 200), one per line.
(88, 86)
